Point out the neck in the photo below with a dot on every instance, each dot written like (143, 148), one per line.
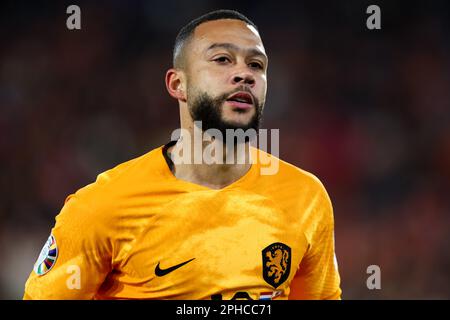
(209, 163)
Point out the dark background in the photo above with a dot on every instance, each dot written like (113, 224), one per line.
(366, 111)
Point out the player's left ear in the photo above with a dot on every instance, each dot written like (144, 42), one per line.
(175, 84)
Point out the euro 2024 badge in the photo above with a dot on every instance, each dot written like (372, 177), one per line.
(47, 257)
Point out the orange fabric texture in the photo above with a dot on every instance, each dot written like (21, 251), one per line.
(138, 232)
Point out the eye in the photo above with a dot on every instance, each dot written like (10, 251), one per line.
(222, 60)
(256, 65)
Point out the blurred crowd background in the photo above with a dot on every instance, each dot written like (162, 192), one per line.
(367, 111)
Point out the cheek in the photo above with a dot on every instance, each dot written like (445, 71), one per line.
(261, 89)
(206, 81)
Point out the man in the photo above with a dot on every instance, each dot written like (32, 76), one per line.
(157, 227)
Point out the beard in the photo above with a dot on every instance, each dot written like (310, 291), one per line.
(208, 110)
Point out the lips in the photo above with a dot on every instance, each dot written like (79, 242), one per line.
(242, 100)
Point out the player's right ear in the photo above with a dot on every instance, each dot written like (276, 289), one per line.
(175, 84)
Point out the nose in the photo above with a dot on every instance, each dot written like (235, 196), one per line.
(244, 77)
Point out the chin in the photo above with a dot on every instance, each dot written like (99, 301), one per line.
(230, 124)
(239, 120)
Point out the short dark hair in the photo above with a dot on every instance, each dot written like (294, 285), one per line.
(187, 31)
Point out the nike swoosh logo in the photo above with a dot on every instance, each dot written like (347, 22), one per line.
(162, 272)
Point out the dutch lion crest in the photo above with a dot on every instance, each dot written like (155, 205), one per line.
(276, 263)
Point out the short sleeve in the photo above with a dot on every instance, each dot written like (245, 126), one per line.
(75, 259)
(318, 277)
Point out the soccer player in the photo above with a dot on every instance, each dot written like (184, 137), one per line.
(159, 228)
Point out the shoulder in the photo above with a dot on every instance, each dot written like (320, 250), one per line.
(278, 171)
(295, 186)
(101, 198)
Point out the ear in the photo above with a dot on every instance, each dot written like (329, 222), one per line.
(175, 84)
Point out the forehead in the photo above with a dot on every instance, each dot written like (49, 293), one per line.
(226, 31)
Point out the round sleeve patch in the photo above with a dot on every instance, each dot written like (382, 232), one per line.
(47, 257)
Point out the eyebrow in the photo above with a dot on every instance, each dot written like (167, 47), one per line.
(233, 47)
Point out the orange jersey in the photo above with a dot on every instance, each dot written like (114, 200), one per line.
(138, 232)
